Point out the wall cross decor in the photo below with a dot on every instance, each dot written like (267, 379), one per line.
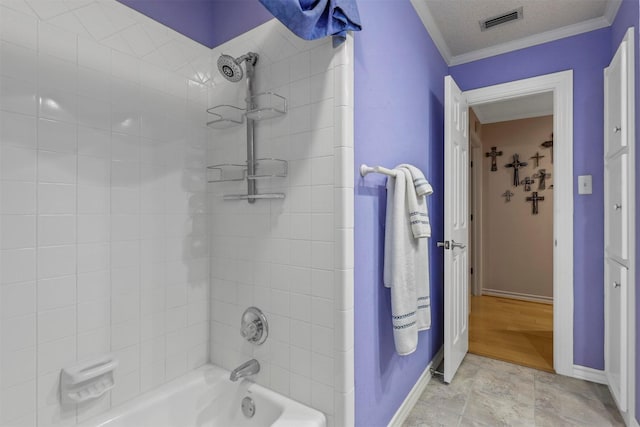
(527, 183)
(507, 196)
(493, 154)
(534, 199)
(549, 144)
(516, 164)
(537, 158)
(542, 176)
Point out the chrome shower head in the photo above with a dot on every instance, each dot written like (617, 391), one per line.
(230, 67)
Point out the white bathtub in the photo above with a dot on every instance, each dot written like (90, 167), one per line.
(207, 398)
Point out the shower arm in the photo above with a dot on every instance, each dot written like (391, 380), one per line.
(250, 57)
(251, 163)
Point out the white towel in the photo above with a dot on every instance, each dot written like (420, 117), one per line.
(422, 186)
(399, 265)
(417, 188)
(418, 213)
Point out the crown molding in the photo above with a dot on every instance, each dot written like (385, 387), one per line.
(534, 40)
(612, 10)
(429, 23)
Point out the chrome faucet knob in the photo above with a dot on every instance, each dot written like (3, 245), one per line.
(249, 330)
(254, 327)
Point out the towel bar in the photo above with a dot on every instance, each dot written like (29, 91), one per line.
(365, 170)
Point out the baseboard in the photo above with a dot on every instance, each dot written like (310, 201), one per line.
(418, 388)
(517, 295)
(589, 374)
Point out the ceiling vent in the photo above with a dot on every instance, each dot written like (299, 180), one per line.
(514, 15)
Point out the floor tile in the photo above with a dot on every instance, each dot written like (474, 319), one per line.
(488, 392)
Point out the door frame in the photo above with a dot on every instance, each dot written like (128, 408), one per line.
(475, 148)
(561, 85)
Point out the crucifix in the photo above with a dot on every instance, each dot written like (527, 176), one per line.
(507, 196)
(493, 154)
(535, 199)
(542, 176)
(549, 144)
(537, 158)
(516, 164)
(527, 183)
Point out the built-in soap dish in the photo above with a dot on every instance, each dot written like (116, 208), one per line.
(225, 116)
(266, 105)
(87, 380)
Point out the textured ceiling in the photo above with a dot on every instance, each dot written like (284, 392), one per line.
(454, 24)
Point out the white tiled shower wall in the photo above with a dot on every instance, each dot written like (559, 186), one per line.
(102, 202)
(292, 258)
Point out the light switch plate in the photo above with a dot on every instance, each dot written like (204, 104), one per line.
(584, 184)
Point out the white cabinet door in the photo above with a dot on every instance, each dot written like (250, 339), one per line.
(616, 210)
(615, 355)
(616, 93)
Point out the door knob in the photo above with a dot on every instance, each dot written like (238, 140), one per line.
(617, 206)
(616, 284)
(617, 129)
(455, 244)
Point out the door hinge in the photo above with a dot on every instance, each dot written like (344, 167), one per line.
(471, 163)
(471, 270)
(471, 217)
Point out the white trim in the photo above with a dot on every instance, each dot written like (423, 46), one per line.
(418, 388)
(561, 84)
(476, 238)
(429, 23)
(631, 273)
(612, 10)
(589, 374)
(517, 295)
(432, 28)
(533, 40)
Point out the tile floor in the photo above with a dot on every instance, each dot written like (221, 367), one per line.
(487, 392)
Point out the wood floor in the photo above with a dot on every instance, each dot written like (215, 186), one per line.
(515, 331)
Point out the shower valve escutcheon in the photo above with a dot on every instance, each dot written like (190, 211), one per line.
(254, 327)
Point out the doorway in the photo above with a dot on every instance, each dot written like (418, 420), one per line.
(511, 232)
(561, 86)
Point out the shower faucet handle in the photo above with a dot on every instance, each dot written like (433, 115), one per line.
(253, 326)
(249, 330)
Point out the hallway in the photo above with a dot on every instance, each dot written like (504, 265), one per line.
(487, 392)
(515, 331)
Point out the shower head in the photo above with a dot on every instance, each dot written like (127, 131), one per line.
(230, 67)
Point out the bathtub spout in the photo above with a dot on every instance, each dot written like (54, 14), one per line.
(248, 368)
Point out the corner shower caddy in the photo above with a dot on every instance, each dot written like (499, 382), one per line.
(262, 106)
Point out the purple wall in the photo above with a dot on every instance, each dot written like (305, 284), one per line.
(399, 118)
(234, 17)
(210, 22)
(628, 16)
(586, 54)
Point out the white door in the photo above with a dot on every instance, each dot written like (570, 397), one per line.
(456, 228)
(618, 176)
